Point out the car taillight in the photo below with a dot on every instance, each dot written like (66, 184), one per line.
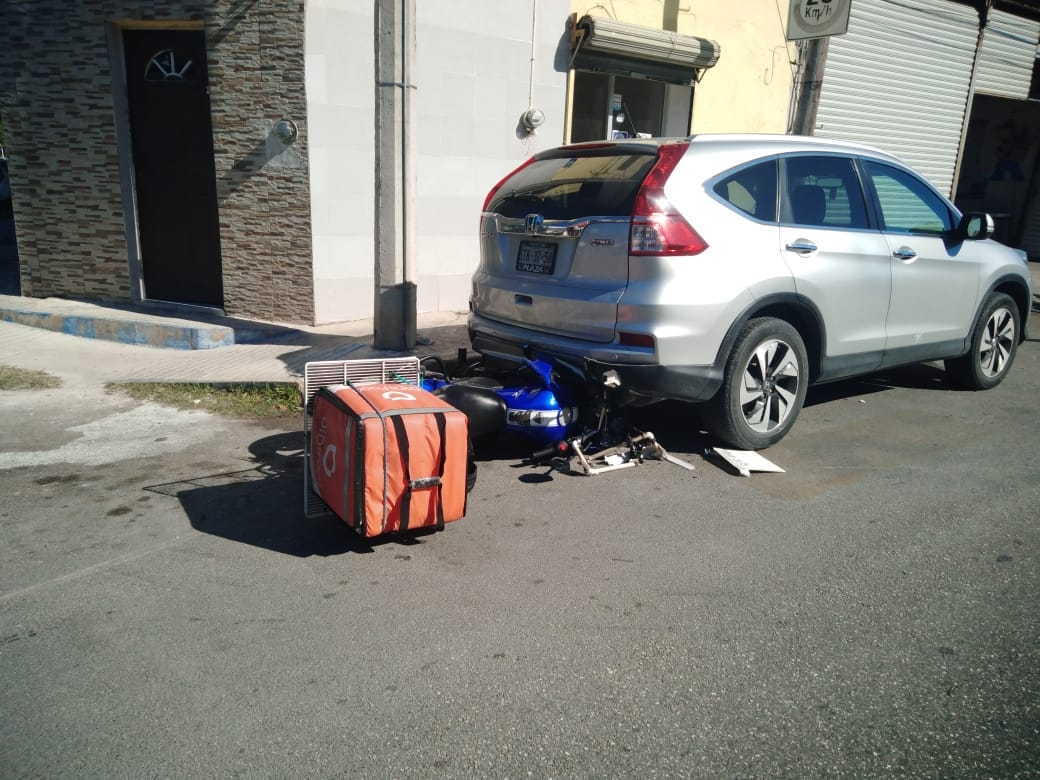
(497, 187)
(657, 227)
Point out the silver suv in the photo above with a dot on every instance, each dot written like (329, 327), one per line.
(738, 270)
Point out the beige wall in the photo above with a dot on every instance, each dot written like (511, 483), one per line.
(748, 91)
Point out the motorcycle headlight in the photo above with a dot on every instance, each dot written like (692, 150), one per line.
(549, 418)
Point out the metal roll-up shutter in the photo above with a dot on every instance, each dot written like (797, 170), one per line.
(632, 49)
(899, 80)
(1005, 66)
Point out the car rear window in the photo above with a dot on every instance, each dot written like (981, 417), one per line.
(752, 190)
(572, 187)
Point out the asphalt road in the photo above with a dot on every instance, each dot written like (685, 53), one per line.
(167, 611)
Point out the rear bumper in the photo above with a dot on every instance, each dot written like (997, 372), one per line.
(652, 380)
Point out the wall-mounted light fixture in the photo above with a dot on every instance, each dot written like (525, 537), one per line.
(286, 131)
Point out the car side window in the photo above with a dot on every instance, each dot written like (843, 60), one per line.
(908, 205)
(752, 190)
(822, 191)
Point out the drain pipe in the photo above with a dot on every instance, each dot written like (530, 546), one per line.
(534, 29)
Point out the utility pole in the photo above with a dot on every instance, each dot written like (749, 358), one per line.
(395, 300)
(814, 58)
(983, 8)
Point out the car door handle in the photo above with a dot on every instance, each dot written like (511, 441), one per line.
(904, 253)
(802, 246)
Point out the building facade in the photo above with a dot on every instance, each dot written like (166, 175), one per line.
(142, 157)
(222, 153)
(219, 154)
(479, 69)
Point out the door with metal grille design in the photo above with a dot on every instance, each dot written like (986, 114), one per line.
(174, 173)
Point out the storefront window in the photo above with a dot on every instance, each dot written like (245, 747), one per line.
(609, 106)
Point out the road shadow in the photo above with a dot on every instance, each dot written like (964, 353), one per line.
(919, 376)
(679, 427)
(675, 425)
(262, 505)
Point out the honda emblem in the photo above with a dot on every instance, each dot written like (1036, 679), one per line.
(532, 222)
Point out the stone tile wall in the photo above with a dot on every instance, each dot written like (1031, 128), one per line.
(56, 101)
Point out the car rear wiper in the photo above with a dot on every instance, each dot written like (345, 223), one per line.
(528, 196)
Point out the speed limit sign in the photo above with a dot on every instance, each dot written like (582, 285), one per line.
(817, 18)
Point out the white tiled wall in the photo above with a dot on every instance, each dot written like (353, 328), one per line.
(473, 69)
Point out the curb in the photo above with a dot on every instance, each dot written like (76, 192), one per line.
(127, 325)
(126, 331)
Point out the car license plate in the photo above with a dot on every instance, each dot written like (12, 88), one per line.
(536, 257)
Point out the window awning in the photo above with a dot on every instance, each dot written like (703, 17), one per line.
(634, 50)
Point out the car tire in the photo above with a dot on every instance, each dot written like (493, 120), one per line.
(994, 342)
(763, 387)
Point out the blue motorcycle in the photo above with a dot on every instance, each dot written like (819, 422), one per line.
(538, 398)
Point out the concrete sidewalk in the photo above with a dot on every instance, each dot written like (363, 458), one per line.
(110, 342)
(97, 343)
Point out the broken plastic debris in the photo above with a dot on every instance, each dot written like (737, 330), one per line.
(746, 461)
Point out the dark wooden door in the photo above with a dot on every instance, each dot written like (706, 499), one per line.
(174, 174)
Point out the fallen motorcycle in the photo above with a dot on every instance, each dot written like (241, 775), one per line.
(538, 399)
(551, 402)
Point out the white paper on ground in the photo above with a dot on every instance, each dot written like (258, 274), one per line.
(746, 461)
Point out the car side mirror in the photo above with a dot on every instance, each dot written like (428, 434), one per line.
(975, 226)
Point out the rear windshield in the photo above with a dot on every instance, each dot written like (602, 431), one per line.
(574, 187)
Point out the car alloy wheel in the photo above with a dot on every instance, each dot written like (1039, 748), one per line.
(994, 342)
(770, 385)
(997, 342)
(763, 388)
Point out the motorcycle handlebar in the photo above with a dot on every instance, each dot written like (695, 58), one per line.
(559, 448)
